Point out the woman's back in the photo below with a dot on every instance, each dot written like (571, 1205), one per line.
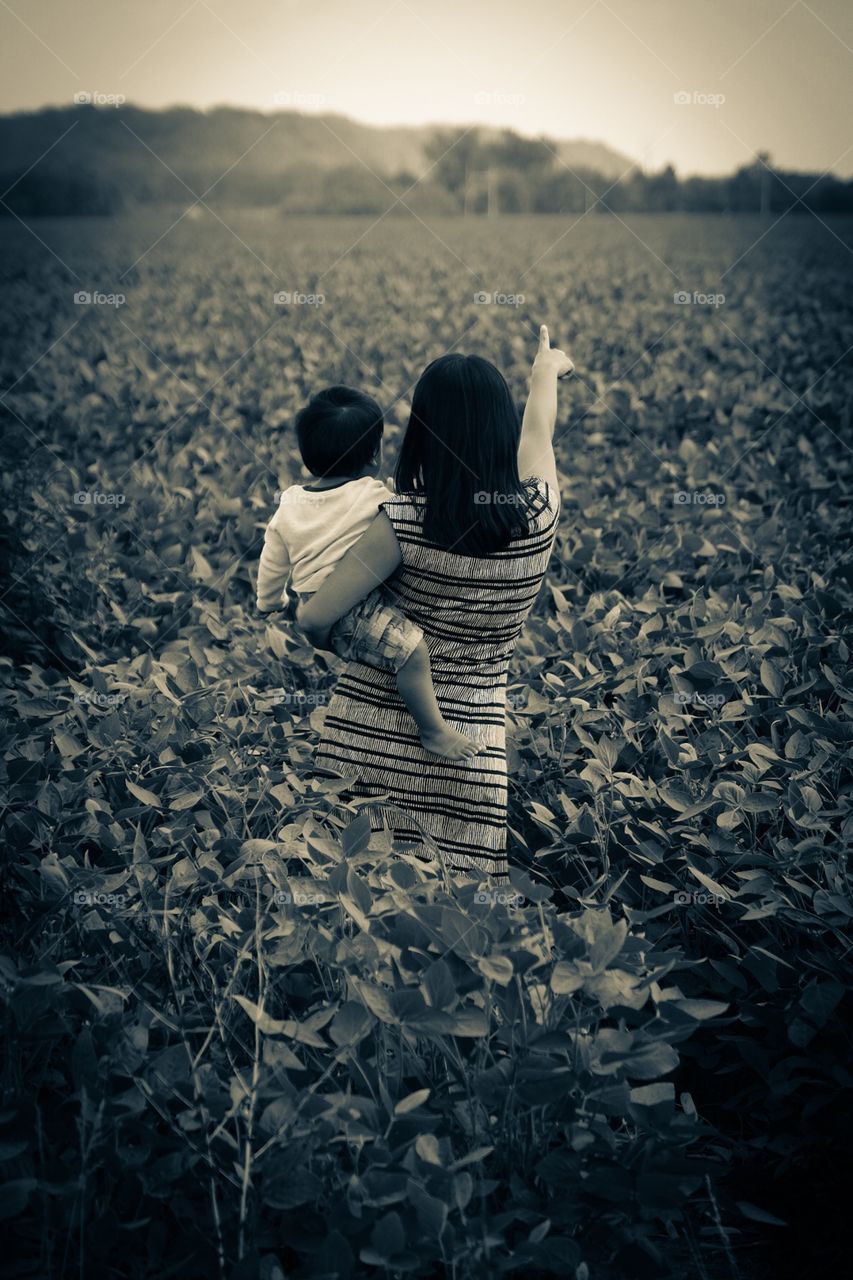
(471, 610)
(471, 605)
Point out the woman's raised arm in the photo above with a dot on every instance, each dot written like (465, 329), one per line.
(366, 565)
(536, 448)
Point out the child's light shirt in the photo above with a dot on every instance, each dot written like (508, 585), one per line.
(310, 532)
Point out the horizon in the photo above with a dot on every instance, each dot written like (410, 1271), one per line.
(704, 93)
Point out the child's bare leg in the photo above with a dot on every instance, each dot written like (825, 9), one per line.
(416, 689)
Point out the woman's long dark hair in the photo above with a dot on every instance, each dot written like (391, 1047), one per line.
(461, 451)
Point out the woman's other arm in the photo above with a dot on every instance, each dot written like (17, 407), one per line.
(536, 447)
(365, 566)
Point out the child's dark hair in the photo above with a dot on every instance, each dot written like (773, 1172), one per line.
(339, 431)
(461, 451)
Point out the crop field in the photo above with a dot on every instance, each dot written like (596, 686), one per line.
(247, 1038)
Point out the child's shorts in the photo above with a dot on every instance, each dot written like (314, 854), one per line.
(375, 632)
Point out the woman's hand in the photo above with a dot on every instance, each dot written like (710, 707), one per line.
(550, 360)
(365, 566)
(535, 448)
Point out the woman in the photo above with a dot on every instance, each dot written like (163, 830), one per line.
(463, 547)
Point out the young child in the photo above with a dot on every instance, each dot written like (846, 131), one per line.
(340, 439)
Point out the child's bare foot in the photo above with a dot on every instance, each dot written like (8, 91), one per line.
(449, 743)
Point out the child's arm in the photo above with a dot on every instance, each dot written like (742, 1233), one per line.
(536, 448)
(273, 571)
(365, 566)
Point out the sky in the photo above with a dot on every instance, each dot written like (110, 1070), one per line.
(770, 75)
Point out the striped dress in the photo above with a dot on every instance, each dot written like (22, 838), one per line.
(471, 610)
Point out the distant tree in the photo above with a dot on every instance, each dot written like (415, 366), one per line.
(662, 191)
(512, 193)
(704, 195)
(559, 192)
(521, 155)
(453, 154)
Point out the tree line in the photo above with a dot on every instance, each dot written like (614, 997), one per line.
(468, 173)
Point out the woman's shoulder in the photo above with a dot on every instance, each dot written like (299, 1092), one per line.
(403, 506)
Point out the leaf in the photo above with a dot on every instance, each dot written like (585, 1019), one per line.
(162, 684)
(497, 968)
(67, 745)
(202, 569)
(278, 1055)
(652, 1095)
(377, 1001)
(251, 849)
(146, 797)
(717, 889)
(661, 886)
(185, 800)
(607, 943)
(432, 1212)
(755, 1214)
(705, 673)
(351, 1023)
(438, 986)
(565, 979)
(356, 837)
(675, 798)
(772, 678)
(353, 910)
(271, 1026)
(761, 801)
(729, 819)
(412, 1102)
(427, 1148)
(650, 1061)
(388, 1236)
(540, 1232)
(469, 1023)
(473, 1157)
(698, 1009)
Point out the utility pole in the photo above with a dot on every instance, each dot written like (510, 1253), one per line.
(765, 176)
(492, 205)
